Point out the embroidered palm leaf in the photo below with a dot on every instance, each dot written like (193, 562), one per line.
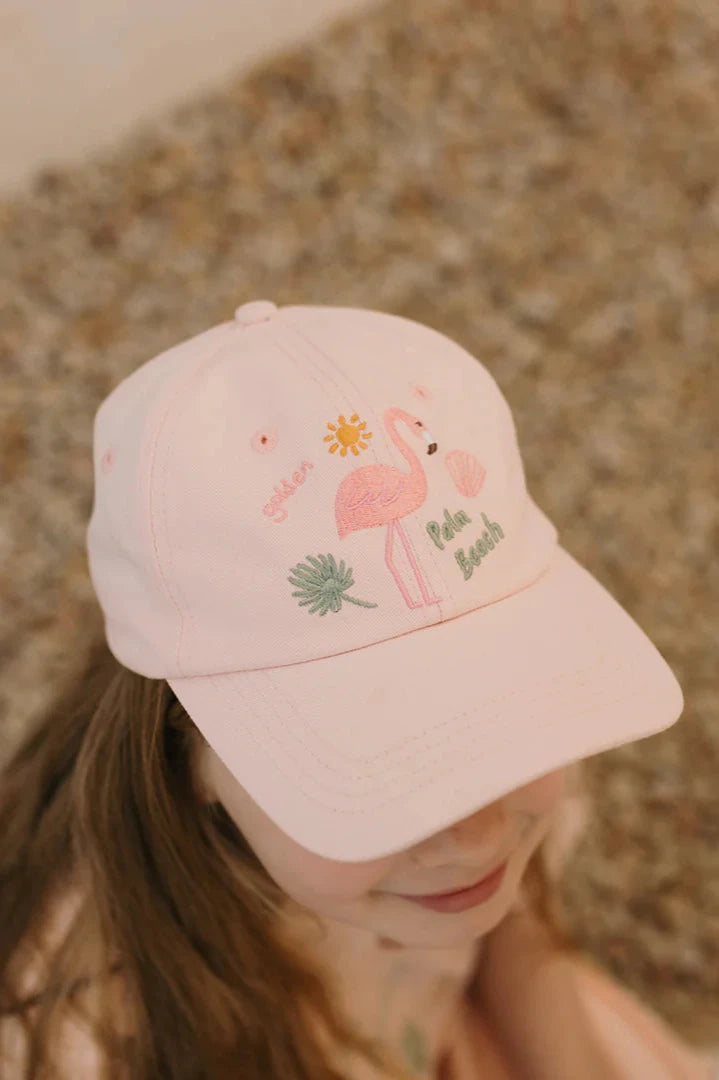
(322, 584)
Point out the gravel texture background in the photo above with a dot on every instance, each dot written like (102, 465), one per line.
(539, 181)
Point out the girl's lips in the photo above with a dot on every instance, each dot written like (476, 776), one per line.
(465, 898)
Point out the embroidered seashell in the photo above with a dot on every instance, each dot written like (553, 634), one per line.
(468, 473)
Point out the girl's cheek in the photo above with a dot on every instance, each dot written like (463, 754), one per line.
(541, 796)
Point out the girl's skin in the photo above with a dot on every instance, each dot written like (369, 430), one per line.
(523, 983)
(364, 894)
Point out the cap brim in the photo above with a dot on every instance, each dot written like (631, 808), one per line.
(363, 754)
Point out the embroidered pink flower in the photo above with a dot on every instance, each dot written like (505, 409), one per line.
(264, 440)
(422, 392)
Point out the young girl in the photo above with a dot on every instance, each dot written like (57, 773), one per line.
(348, 669)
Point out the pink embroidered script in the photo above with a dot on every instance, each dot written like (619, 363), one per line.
(382, 494)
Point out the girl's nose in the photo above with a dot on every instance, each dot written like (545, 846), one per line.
(479, 840)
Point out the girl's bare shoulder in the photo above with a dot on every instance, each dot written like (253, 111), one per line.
(526, 982)
(640, 1042)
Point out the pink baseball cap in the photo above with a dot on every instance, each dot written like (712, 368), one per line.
(313, 522)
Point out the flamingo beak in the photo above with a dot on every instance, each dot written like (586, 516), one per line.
(430, 440)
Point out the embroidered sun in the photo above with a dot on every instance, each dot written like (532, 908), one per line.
(347, 435)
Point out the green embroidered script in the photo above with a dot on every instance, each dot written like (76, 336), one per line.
(454, 523)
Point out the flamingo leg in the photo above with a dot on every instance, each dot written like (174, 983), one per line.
(391, 525)
(415, 567)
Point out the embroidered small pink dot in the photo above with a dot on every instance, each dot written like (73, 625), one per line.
(262, 441)
(422, 392)
(108, 460)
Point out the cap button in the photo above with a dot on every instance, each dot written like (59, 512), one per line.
(254, 312)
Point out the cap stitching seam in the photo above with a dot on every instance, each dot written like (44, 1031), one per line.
(497, 698)
(172, 401)
(382, 784)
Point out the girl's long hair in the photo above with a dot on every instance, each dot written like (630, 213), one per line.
(190, 975)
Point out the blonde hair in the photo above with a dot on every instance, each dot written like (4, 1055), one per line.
(102, 794)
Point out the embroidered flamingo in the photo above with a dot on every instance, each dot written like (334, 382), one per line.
(382, 494)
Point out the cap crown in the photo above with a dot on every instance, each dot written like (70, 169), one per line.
(276, 491)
